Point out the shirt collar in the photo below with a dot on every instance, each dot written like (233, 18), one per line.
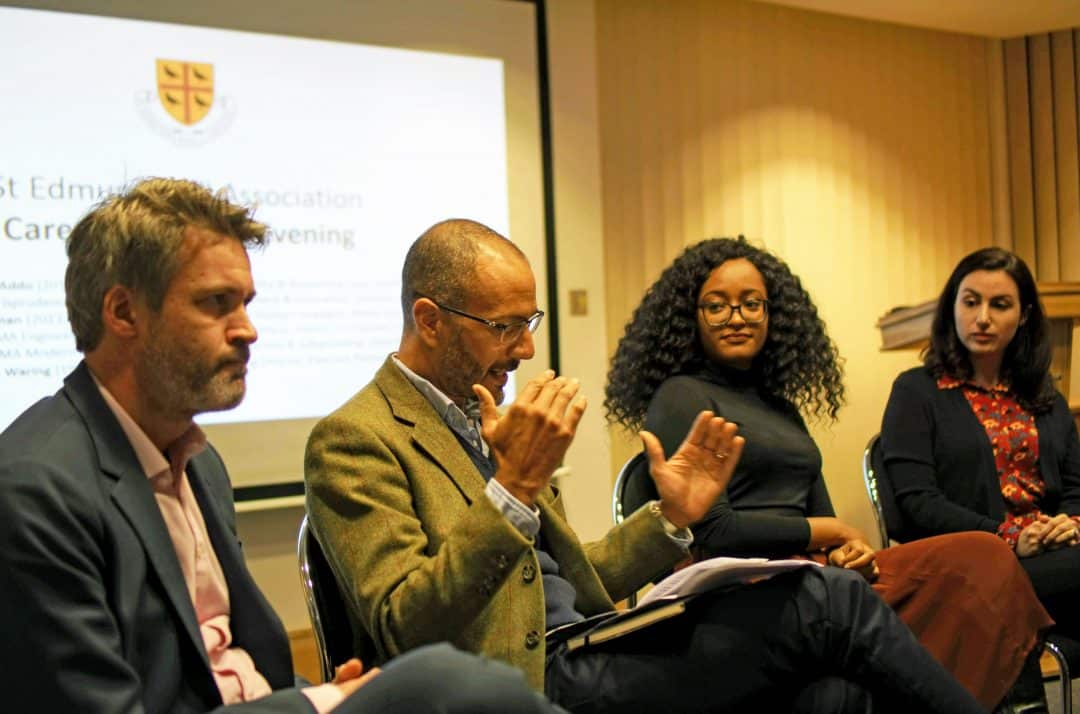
(465, 422)
(947, 381)
(152, 461)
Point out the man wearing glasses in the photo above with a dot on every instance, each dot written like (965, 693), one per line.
(439, 518)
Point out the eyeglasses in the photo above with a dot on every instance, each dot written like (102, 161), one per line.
(507, 331)
(718, 314)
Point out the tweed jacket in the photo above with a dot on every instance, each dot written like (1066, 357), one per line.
(421, 553)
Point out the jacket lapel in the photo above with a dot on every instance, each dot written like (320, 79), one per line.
(430, 433)
(988, 484)
(134, 497)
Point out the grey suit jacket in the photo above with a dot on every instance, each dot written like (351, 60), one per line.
(94, 610)
(423, 555)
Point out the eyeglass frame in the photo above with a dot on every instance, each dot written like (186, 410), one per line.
(499, 327)
(737, 307)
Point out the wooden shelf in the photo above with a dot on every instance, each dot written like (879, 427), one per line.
(1060, 300)
(906, 326)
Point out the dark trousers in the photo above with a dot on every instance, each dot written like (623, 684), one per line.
(1055, 575)
(439, 679)
(817, 639)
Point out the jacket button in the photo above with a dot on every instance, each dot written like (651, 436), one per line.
(528, 573)
(532, 640)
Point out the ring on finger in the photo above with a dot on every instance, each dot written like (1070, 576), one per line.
(720, 455)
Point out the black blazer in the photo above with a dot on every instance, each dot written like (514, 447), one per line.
(941, 463)
(94, 610)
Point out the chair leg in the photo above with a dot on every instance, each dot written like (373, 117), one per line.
(1066, 679)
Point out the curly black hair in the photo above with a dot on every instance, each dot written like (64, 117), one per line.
(798, 365)
(1026, 364)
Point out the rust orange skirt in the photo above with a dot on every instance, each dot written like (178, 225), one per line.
(969, 602)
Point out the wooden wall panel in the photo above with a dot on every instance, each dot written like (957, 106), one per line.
(1044, 163)
(1067, 153)
(1041, 89)
(1021, 171)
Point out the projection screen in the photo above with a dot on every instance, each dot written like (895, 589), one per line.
(351, 126)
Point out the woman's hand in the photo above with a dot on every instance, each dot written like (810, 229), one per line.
(1029, 542)
(1060, 531)
(856, 555)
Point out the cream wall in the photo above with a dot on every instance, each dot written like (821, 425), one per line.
(269, 542)
(580, 254)
(859, 152)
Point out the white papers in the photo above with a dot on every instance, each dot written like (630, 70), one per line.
(719, 572)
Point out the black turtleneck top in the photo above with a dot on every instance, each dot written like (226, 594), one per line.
(777, 483)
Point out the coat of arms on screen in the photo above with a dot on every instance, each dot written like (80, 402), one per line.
(185, 89)
(198, 106)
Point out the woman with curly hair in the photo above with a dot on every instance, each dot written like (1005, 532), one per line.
(728, 327)
(978, 438)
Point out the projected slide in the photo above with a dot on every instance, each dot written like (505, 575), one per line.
(349, 152)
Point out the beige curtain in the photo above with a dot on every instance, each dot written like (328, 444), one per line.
(1040, 77)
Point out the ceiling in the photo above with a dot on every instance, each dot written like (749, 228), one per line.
(991, 18)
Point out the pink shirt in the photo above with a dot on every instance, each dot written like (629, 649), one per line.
(233, 669)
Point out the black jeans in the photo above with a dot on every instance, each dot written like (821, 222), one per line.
(1055, 576)
(817, 639)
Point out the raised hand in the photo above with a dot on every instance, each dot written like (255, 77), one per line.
(695, 475)
(531, 438)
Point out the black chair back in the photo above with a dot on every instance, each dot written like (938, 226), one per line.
(634, 488)
(329, 618)
(880, 491)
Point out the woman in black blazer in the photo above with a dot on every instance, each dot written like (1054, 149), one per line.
(979, 439)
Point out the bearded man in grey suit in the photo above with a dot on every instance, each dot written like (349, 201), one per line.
(440, 520)
(122, 584)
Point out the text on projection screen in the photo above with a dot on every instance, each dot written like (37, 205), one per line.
(348, 152)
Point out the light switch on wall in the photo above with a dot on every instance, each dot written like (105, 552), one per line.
(579, 302)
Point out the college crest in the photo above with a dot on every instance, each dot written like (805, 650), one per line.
(185, 89)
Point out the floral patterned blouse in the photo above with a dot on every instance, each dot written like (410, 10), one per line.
(1015, 441)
